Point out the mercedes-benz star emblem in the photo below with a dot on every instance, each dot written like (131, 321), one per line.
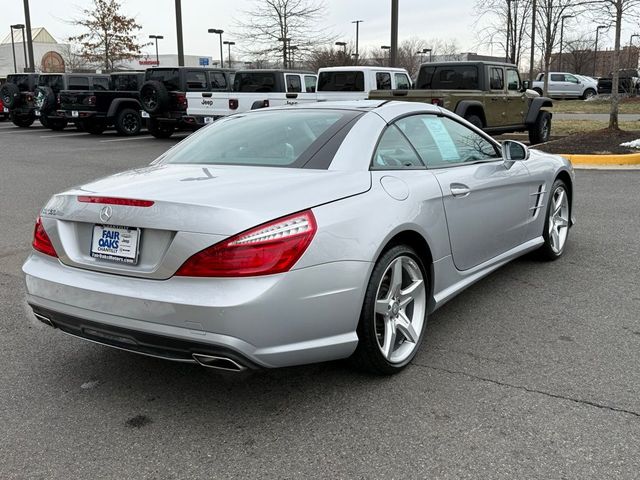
(105, 213)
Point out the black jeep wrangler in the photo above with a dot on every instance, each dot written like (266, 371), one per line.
(95, 110)
(164, 96)
(18, 98)
(49, 87)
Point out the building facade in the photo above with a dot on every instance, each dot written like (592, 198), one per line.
(48, 53)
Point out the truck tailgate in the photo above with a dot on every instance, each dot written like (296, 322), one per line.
(209, 104)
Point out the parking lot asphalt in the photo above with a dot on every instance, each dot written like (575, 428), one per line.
(531, 373)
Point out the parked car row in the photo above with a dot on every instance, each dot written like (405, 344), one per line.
(178, 98)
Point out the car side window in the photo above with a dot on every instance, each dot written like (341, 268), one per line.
(441, 141)
(555, 77)
(196, 80)
(402, 81)
(571, 78)
(294, 85)
(100, 83)
(383, 81)
(394, 152)
(497, 79)
(310, 83)
(218, 81)
(513, 80)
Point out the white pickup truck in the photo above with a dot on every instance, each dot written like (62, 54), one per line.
(254, 89)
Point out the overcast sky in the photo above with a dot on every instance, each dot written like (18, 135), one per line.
(426, 19)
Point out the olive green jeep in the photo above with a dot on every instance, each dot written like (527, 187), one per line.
(489, 95)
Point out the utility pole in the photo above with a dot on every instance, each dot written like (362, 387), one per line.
(13, 50)
(508, 49)
(534, 13)
(357, 54)
(393, 54)
(595, 50)
(27, 21)
(218, 32)
(179, 33)
(228, 44)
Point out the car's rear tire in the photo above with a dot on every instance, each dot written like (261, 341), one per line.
(58, 124)
(540, 131)
(154, 96)
(128, 122)
(557, 223)
(45, 99)
(474, 120)
(94, 127)
(23, 121)
(10, 94)
(394, 313)
(159, 129)
(589, 93)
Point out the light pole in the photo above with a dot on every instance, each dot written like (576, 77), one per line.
(179, 33)
(630, 46)
(508, 49)
(595, 50)
(19, 26)
(532, 59)
(393, 53)
(564, 17)
(156, 38)
(429, 51)
(285, 47)
(228, 44)
(387, 47)
(357, 54)
(343, 45)
(27, 21)
(218, 32)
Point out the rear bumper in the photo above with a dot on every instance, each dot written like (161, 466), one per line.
(81, 114)
(304, 316)
(202, 120)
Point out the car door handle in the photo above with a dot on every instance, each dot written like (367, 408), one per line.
(459, 190)
(292, 95)
(208, 95)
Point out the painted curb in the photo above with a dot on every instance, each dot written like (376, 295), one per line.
(626, 159)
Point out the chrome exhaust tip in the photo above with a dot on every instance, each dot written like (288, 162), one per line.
(43, 319)
(218, 363)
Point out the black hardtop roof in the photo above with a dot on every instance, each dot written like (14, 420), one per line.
(471, 62)
(275, 70)
(214, 69)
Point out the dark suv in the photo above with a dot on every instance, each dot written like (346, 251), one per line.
(95, 110)
(49, 87)
(164, 95)
(17, 95)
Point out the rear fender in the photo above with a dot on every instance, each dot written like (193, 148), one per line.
(535, 107)
(465, 105)
(119, 103)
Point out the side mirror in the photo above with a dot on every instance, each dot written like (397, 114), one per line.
(526, 84)
(513, 151)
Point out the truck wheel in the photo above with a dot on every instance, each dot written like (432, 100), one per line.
(10, 94)
(154, 96)
(94, 127)
(160, 130)
(589, 93)
(58, 124)
(23, 121)
(540, 131)
(44, 121)
(474, 120)
(128, 122)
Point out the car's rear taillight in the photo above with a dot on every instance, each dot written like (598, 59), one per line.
(233, 104)
(57, 101)
(270, 248)
(181, 100)
(129, 202)
(437, 102)
(41, 241)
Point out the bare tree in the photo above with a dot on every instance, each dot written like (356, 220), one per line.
(74, 60)
(275, 25)
(110, 36)
(410, 54)
(616, 11)
(512, 17)
(578, 54)
(331, 57)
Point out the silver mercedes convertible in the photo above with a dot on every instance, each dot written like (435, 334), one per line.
(287, 236)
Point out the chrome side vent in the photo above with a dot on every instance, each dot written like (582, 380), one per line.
(538, 197)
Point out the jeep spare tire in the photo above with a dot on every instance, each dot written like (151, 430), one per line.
(154, 96)
(45, 99)
(10, 94)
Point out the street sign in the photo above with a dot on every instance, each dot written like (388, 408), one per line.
(204, 61)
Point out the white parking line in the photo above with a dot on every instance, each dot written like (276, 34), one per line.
(61, 134)
(23, 130)
(126, 139)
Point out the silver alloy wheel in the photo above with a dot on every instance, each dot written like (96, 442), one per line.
(400, 309)
(558, 219)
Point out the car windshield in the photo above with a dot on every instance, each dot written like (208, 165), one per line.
(273, 139)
